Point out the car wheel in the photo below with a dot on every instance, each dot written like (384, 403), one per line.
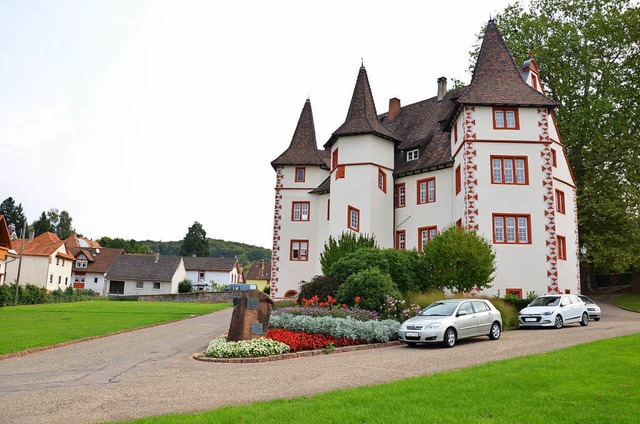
(449, 337)
(558, 323)
(495, 332)
(596, 319)
(585, 319)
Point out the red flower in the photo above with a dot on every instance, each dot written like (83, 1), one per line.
(344, 305)
(331, 300)
(298, 340)
(357, 299)
(323, 304)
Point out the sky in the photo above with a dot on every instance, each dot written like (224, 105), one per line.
(141, 117)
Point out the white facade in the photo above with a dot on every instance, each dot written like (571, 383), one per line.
(218, 277)
(148, 287)
(51, 272)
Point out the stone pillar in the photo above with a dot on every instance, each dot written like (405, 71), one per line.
(250, 317)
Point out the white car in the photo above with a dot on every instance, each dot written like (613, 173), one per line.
(449, 320)
(554, 311)
(595, 313)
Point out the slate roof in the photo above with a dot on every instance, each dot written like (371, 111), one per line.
(209, 264)
(259, 271)
(303, 149)
(99, 259)
(362, 117)
(143, 268)
(497, 79)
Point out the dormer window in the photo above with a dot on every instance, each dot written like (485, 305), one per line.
(412, 155)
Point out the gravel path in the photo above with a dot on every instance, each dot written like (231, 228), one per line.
(150, 371)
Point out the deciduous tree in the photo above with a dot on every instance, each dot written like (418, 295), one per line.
(195, 242)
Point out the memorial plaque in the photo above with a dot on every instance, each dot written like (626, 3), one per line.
(257, 328)
(253, 304)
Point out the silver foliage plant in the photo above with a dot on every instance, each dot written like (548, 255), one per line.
(380, 331)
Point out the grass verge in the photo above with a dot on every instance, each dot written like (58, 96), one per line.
(591, 383)
(628, 301)
(30, 326)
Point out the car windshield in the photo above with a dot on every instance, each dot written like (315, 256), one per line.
(439, 309)
(585, 299)
(546, 301)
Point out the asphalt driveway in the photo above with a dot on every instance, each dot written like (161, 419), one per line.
(151, 372)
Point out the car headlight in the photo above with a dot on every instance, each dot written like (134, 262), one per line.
(549, 313)
(433, 326)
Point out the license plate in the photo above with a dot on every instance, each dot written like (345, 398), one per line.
(530, 319)
(411, 334)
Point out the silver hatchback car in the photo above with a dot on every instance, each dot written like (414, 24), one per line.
(449, 320)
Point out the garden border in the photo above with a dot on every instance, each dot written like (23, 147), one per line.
(302, 354)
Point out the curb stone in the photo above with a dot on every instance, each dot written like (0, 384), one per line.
(302, 354)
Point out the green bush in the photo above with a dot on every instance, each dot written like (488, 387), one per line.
(371, 286)
(320, 285)
(32, 295)
(519, 304)
(508, 311)
(7, 294)
(184, 286)
(336, 249)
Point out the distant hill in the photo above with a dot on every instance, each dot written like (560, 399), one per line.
(246, 253)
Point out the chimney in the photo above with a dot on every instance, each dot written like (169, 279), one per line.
(31, 235)
(157, 258)
(442, 88)
(394, 109)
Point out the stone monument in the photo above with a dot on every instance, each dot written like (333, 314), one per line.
(250, 317)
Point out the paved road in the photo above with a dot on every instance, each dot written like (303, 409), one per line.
(150, 371)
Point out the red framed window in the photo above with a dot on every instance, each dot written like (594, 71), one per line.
(334, 158)
(505, 118)
(562, 248)
(301, 173)
(299, 250)
(399, 198)
(426, 190)
(382, 180)
(509, 170)
(425, 235)
(401, 239)
(514, 292)
(300, 211)
(459, 224)
(328, 209)
(339, 172)
(458, 179)
(554, 158)
(511, 229)
(353, 218)
(560, 205)
(455, 133)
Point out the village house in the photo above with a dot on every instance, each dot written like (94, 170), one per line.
(486, 157)
(259, 274)
(133, 275)
(90, 267)
(213, 270)
(46, 262)
(7, 253)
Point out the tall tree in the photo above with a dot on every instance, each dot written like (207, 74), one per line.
(195, 242)
(12, 213)
(42, 225)
(588, 53)
(64, 228)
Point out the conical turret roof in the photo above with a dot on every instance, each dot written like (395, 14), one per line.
(497, 79)
(362, 117)
(303, 149)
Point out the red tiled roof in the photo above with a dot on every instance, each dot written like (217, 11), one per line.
(99, 259)
(497, 80)
(43, 245)
(75, 241)
(362, 117)
(303, 149)
(5, 237)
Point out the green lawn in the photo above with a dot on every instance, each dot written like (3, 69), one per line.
(593, 383)
(628, 301)
(29, 326)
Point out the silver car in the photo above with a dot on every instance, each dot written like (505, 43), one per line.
(554, 311)
(595, 313)
(449, 320)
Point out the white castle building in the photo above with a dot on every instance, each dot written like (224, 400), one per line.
(487, 157)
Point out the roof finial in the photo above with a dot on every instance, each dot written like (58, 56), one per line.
(361, 63)
(530, 54)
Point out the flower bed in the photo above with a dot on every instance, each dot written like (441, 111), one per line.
(318, 311)
(299, 340)
(221, 347)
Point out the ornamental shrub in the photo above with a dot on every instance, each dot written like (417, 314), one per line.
(347, 243)
(222, 348)
(184, 286)
(335, 312)
(321, 286)
(371, 285)
(381, 331)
